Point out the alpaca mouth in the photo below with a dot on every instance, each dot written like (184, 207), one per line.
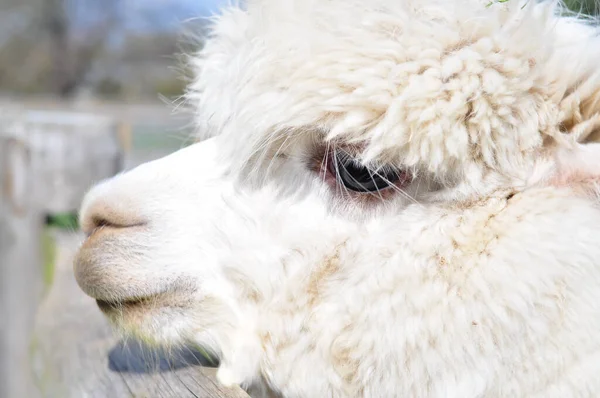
(107, 306)
(165, 299)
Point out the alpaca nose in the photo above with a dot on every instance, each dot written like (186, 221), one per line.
(111, 263)
(108, 206)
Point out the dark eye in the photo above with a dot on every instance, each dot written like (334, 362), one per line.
(359, 178)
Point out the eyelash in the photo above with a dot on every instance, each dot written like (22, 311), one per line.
(350, 174)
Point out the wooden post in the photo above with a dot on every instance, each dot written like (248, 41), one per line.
(69, 153)
(20, 259)
(48, 160)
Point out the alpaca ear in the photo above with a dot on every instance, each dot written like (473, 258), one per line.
(581, 109)
(577, 78)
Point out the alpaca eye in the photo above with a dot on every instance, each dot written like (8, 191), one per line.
(359, 178)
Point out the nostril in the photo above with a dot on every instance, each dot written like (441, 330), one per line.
(100, 221)
(117, 203)
(97, 220)
(101, 213)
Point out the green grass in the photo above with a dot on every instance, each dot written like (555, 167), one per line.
(49, 257)
(496, 1)
(65, 221)
(211, 359)
(585, 7)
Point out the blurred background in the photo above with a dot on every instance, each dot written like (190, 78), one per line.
(122, 58)
(88, 88)
(110, 49)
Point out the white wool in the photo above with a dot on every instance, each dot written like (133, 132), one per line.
(480, 279)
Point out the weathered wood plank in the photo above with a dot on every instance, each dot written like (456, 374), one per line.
(68, 153)
(20, 289)
(77, 355)
(20, 276)
(47, 163)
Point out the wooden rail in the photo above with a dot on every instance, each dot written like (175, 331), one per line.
(54, 342)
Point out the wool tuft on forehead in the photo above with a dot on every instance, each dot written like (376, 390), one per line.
(458, 89)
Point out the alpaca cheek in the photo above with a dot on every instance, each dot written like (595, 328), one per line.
(579, 170)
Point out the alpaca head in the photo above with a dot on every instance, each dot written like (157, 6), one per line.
(329, 131)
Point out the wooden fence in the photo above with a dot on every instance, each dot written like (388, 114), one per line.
(49, 344)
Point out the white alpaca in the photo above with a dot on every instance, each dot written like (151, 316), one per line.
(399, 199)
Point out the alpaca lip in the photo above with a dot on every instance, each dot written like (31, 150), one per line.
(108, 306)
(163, 298)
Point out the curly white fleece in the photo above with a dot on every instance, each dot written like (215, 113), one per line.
(486, 283)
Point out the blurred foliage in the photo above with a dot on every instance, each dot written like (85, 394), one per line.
(109, 87)
(62, 221)
(45, 48)
(588, 7)
(170, 87)
(67, 221)
(49, 257)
